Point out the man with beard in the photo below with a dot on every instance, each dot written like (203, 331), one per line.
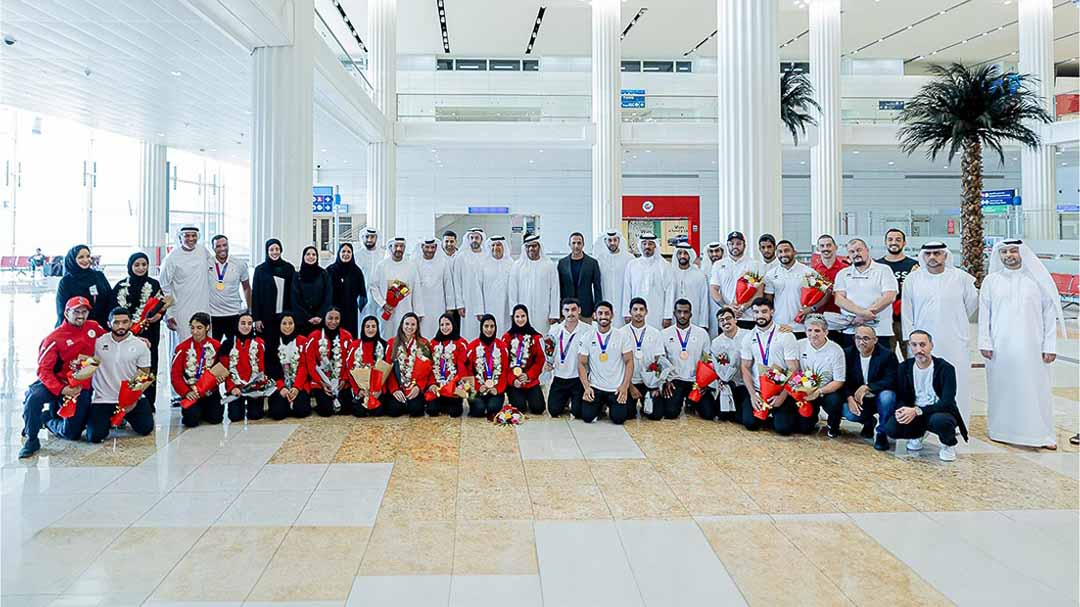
(436, 286)
(565, 386)
(123, 357)
(605, 367)
(763, 347)
(714, 252)
(731, 395)
(534, 283)
(865, 291)
(449, 250)
(612, 259)
(726, 273)
(689, 282)
(183, 277)
(649, 277)
(468, 273)
(227, 277)
(495, 284)
(395, 267)
(579, 277)
(901, 265)
(368, 257)
(58, 357)
(783, 285)
(941, 300)
(648, 347)
(828, 265)
(766, 245)
(870, 380)
(684, 344)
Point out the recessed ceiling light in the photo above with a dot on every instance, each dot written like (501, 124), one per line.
(1064, 164)
(541, 151)
(323, 150)
(891, 163)
(175, 73)
(946, 166)
(855, 152)
(802, 162)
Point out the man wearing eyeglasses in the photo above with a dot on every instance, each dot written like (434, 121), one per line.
(870, 386)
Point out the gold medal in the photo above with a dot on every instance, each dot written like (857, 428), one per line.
(489, 383)
(603, 357)
(517, 371)
(684, 355)
(220, 286)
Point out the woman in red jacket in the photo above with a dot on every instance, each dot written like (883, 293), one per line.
(192, 359)
(488, 362)
(244, 355)
(410, 355)
(287, 369)
(367, 349)
(525, 347)
(325, 354)
(448, 352)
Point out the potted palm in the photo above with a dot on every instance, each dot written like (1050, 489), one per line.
(966, 109)
(796, 97)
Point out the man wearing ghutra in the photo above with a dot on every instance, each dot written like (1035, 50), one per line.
(714, 252)
(368, 256)
(495, 284)
(534, 283)
(612, 258)
(183, 276)
(436, 287)
(649, 277)
(689, 282)
(468, 273)
(395, 267)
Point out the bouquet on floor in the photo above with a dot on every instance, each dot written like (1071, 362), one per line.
(130, 393)
(746, 287)
(801, 384)
(371, 380)
(395, 294)
(508, 416)
(704, 376)
(772, 383)
(814, 290)
(83, 368)
(152, 307)
(207, 383)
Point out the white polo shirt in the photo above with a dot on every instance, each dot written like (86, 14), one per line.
(651, 346)
(863, 288)
(722, 345)
(726, 273)
(778, 349)
(696, 342)
(606, 375)
(120, 360)
(229, 300)
(828, 362)
(785, 285)
(564, 362)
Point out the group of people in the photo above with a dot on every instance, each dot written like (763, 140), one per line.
(611, 335)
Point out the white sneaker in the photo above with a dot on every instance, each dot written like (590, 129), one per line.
(947, 453)
(914, 444)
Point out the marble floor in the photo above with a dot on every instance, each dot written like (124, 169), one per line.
(346, 512)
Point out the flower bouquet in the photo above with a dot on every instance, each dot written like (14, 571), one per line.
(704, 375)
(508, 416)
(549, 347)
(371, 380)
(814, 290)
(466, 388)
(661, 368)
(207, 383)
(83, 368)
(746, 287)
(801, 384)
(152, 307)
(772, 383)
(130, 392)
(395, 294)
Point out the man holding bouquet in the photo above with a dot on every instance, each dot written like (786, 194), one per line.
(650, 360)
(125, 359)
(769, 352)
(393, 272)
(783, 285)
(684, 344)
(731, 396)
(724, 280)
(823, 371)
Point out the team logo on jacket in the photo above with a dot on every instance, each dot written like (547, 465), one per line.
(91, 333)
(70, 343)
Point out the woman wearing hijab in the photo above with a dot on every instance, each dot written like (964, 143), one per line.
(311, 292)
(368, 348)
(287, 370)
(82, 280)
(407, 352)
(348, 289)
(271, 289)
(244, 355)
(525, 348)
(487, 360)
(448, 353)
(132, 293)
(325, 354)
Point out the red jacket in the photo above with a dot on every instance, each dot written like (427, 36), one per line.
(532, 357)
(243, 362)
(449, 361)
(300, 382)
(366, 350)
(422, 379)
(180, 383)
(477, 364)
(61, 348)
(830, 275)
(312, 358)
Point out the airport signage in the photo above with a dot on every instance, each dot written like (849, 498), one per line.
(633, 98)
(890, 104)
(995, 198)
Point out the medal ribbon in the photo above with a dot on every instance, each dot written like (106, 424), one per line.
(562, 350)
(221, 269)
(489, 361)
(603, 344)
(764, 352)
(200, 362)
(682, 342)
(517, 356)
(638, 339)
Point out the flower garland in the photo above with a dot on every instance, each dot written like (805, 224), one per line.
(144, 296)
(191, 362)
(290, 361)
(445, 353)
(526, 344)
(406, 358)
(234, 360)
(377, 354)
(334, 358)
(481, 365)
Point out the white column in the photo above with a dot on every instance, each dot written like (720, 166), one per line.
(606, 115)
(282, 140)
(153, 212)
(826, 176)
(1038, 192)
(748, 92)
(382, 155)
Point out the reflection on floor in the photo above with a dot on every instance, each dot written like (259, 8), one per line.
(458, 512)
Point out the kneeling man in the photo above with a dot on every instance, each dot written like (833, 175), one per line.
(684, 344)
(123, 358)
(605, 367)
(825, 359)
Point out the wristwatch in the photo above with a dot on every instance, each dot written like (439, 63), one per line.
(918, 411)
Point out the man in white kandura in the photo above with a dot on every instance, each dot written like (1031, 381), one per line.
(649, 277)
(436, 288)
(714, 252)
(1019, 315)
(689, 282)
(468, 272)
(183, 276)
(367, 256)
(495, 284)
(395, 267)
(612, 257)
(940, 299)
(725, 276)
(534, 283)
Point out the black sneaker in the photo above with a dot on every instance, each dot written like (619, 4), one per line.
(30, 447)
(867, 431)
(881, 443)
(833, 432)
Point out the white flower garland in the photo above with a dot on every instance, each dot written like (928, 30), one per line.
(481, 365)
(526, 342)
(439, 352)
(144, 296)
(290, 364)
(191, 362)
(406, 357)
(377, 353)
(234, 360)
(334, 360)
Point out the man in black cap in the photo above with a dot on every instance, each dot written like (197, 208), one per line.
(726, 274)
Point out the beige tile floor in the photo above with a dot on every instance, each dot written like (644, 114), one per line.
(458, 512)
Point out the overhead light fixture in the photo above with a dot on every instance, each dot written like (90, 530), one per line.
(441, 7)
(349, 25)
(176, 73)
(856, 152)
(161, 134)
(639, 15)
(891, 163)
(535, 29)
(700, 44)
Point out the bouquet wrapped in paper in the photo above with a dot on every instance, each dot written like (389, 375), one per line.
(814, 290)
(258, 386)
(801, 384)
(746, 287)
(772, 383)
(508, 416)
(371, 380)
(704, 376)
(130, 392)
(662, 369)
(466, 388)
(549, 347)
(207, 383)
(395, 294)
(83, 368)
(153, 306)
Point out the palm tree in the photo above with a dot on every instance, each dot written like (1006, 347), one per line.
(969, 108)
(796, 96)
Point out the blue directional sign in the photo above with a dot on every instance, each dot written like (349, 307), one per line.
(323, 199)
(633, 98)
(996, 198)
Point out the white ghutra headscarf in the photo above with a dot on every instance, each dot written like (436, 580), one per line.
(1033, 267)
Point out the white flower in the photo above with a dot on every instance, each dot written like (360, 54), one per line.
(191, 362)
(290, 363)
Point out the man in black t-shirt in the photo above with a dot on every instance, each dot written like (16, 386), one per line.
(579, 277)
(901, 265)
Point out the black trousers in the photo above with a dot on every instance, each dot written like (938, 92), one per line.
(360, 410)
(527, 399)
(37, 399)
(634, 403)
(324, 403)
(942, 424)
(709, 407)
(833, 404)
(254, 408)
(223, 326)
(445, 405)
(617, 413)
(564, 393)
(485, 404)
(207, 409)
(669, 407)
(395, 408)
(99, 423)
(785, 419)
(278, 407)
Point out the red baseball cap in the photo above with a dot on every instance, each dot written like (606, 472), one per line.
(77, 302)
